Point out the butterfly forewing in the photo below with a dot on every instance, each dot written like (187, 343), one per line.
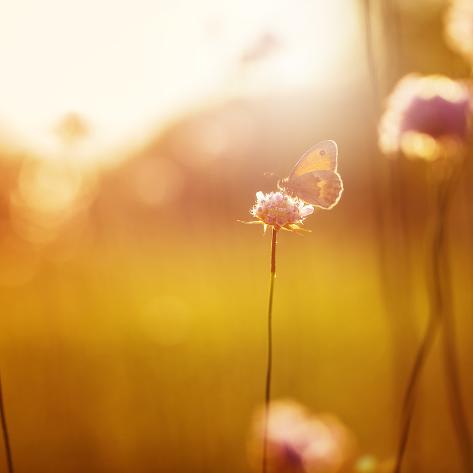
(321, 157)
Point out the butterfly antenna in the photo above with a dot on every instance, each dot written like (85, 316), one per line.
(273, 175)
(280, 180)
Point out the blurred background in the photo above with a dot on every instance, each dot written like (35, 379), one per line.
(133, 136)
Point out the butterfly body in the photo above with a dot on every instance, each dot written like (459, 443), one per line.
(314, 178)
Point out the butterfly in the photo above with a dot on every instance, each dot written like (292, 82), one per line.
(314, 178)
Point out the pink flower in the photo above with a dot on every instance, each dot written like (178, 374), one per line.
(301, 443)
(280, 210)
(426, 117)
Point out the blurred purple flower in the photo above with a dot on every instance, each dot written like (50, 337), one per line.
(426, 117)
(437, 117)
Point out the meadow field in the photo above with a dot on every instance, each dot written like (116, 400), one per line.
(133, 330)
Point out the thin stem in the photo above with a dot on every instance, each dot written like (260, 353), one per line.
(391, 178)
(370, 54)
(269, 366)
(431, 331)
(409, 395)
(377, 161)
(6, 438)
(444, 297)
(393, 38)
(440, 312)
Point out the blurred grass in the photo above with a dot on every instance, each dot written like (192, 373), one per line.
(141, 347)
(99, 378)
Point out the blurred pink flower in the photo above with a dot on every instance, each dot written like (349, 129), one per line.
(280, 210)
(426, 117)
(459, 27)
(302, 443)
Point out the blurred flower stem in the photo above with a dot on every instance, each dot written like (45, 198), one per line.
(377, 167)
(442, 303)
(389, 208)
(440, 316)
(267, 397)
(409, 395)
(6, 438)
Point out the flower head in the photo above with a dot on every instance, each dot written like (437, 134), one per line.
(279, 210)
(459, 27)
(299, 442)
(426, 117)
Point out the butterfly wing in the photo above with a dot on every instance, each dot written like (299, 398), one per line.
(321, 157)
(320, 188)
(314, 178)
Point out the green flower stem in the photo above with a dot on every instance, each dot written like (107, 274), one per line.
(267, 397)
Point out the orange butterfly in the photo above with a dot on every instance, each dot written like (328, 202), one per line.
(314, 178)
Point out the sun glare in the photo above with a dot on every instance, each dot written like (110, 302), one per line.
(126, 68)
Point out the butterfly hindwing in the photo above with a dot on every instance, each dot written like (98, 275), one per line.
(320, 188)
(321, 157)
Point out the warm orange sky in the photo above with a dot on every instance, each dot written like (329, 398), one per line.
(130, 65)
